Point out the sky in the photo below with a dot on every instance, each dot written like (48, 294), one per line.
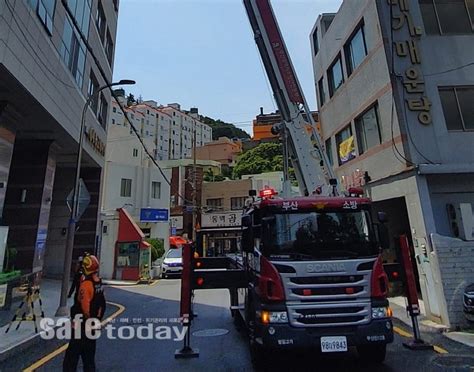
(201, 53)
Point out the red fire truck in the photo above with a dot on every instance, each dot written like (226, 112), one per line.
(309, 273)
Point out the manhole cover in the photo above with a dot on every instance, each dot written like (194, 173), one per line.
(454, 361)
(211, 332)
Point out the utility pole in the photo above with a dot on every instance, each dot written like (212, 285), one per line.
(71, 229)
(194, 183)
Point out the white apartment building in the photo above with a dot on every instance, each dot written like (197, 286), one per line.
(169, 128)
(133, 182)
(395, 86)
(182, 131)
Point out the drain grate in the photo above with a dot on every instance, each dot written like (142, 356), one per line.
(211, 332)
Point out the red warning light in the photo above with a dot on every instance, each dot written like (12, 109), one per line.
(307, 292)
(395, 274)
(356, 191)
(267, 193)
(200, 281)
(349, 290)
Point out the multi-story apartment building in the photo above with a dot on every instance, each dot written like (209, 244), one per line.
(182, 129)
(53, 54)
(170, 129)
(132, 182)
(395, 86)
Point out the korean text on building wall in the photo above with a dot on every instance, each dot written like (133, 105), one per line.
(408, 49)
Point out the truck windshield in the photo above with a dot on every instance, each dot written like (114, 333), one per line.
(328, 235)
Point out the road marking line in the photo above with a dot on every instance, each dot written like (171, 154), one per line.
(440, 350)
(404, 333)
(62, 348)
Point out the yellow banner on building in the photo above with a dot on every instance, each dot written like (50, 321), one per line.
(347, 149)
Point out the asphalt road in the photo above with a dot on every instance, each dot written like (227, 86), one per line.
(221, 346)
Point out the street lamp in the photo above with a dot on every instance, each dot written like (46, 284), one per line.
(71, 229)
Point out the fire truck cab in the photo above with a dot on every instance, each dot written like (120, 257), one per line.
(315, 277)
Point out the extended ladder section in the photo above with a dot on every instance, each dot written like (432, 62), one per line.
(305, 147)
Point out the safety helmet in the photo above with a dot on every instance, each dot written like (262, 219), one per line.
(90, 264)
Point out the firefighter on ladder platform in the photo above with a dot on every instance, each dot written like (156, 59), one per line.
(89, 302)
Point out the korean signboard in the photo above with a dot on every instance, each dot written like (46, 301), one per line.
(229, 219)
(153, 215)
(407, 50)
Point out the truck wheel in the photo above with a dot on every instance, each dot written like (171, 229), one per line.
(372, 353)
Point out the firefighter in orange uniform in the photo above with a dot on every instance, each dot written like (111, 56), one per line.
(89, 301)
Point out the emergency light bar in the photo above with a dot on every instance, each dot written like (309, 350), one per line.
(267, 193)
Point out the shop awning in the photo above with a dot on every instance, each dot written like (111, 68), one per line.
(177, 240)
(128, 230)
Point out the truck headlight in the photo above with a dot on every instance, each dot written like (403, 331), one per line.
(273, 316)
(381, 312)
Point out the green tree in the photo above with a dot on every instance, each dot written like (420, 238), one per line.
(266, 157)
(223, 129)
(157, 248)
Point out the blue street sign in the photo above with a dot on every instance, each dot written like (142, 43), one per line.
(153, 215)
(173, 231)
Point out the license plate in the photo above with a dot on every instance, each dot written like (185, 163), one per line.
(333, 344)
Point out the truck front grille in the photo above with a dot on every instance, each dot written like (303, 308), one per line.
(320, 299)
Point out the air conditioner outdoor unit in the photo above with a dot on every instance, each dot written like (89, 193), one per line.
(461, 220)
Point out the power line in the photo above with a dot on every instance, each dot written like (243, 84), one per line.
(450, 70)
(104, 77)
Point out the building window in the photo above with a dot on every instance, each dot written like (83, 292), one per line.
(368, 129)
(355, 50)
(126, 187)
(214, 203)
(92, 92)
(101, 22)
(114, 109)
(109, 48)
(328, 147)
(113, 121)
(237, 202)
(81, 10)
(135, 153)
(321, 92)
(447, 17)
(457, 107)
(45, 11)
(102, 114)
(335, 76)
(73, 52)
(315, 42)
(156, 190)
(345, 145)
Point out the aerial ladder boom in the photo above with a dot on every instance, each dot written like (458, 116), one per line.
(304, 145)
